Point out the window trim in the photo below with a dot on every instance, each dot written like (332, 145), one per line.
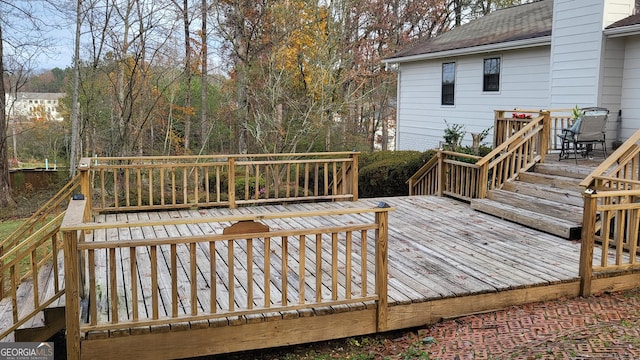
(484, 75)
(442, 85)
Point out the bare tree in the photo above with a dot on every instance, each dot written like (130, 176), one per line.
(21, 38)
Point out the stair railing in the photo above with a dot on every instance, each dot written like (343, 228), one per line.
(468, 177)
(39, 219)
(22, 265)
(611, 214)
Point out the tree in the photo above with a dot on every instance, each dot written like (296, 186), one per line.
(21, 37)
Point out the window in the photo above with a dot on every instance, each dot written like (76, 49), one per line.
(491, 81)
(448, 83)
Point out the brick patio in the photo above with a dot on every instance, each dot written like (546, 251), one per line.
(598, 327)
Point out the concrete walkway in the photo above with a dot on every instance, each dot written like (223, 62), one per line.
(606, 326)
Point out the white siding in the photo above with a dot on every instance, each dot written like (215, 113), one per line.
(523, 83)
(576, 47)
(615, 10)
(611, 93)
(631, 88)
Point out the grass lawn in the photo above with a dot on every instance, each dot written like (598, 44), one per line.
(8, 226)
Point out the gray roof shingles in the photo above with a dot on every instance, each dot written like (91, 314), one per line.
(519, 22)
(628, 21)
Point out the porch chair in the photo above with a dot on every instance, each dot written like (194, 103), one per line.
(588, 130)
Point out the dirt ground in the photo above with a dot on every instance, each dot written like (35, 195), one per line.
(606, 326)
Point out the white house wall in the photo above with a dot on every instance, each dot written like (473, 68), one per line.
(631, 87)
(576, 47)
(523, 84)
(611, 93)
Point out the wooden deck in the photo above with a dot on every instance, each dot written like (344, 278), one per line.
(444, 260)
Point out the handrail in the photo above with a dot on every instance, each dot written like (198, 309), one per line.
(620, 156)
(611, 213)
(26, 260)
(505, 145)
(181, 296)
(444, 175)
(150, 183)
(37, 220)
(421, 178)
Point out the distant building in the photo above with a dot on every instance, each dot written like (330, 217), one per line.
(33, 106)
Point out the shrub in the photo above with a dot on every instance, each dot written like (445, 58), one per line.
(385, 173)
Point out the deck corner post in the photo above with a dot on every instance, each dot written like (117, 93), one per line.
(441, 173)
(232, 183)
(354, 176)
(586, 248)
(84, 167)
(72, 293)
(382, 220)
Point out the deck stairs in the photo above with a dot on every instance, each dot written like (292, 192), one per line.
(548, 198)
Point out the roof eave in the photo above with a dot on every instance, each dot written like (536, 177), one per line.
(622, 31)
(503, 46)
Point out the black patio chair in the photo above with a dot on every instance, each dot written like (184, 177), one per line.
(587, 131)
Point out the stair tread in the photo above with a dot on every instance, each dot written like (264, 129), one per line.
(560, 227)
(546, 192)
(543, 206)
(554, 181)
(568, 169)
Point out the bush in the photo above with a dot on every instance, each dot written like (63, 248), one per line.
(385, 173)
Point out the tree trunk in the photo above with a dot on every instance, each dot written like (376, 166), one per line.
(204, 127)
(73, 156)
(187, 75)
(5, 193)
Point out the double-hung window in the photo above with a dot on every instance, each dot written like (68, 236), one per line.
(448, 83)
(491, 78)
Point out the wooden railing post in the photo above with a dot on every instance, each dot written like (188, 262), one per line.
(72, 293)
(483, 180)
(382, 220)
(354, 176)
(73, 274)
(232, 183)
(497, 128)
(543, 140)
(586, 249)
(441, 174)
(84, 167)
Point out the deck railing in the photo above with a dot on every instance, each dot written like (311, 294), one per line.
(242, 270)
(39, 219)
(468, 177)
(506, 124)
(22, 266)
(143, 183)
(612, 213)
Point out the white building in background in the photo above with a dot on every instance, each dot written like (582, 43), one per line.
(33, 106)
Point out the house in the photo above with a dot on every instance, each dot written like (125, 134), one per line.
(542, 55)
(33, 106)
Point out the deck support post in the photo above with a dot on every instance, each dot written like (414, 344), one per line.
(543, 145)
(441, 173)
(382, 220)
(586, 248)
(72, 295)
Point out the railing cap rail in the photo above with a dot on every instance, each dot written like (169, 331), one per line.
(515, 137)
(611, 159)
(74, 222)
